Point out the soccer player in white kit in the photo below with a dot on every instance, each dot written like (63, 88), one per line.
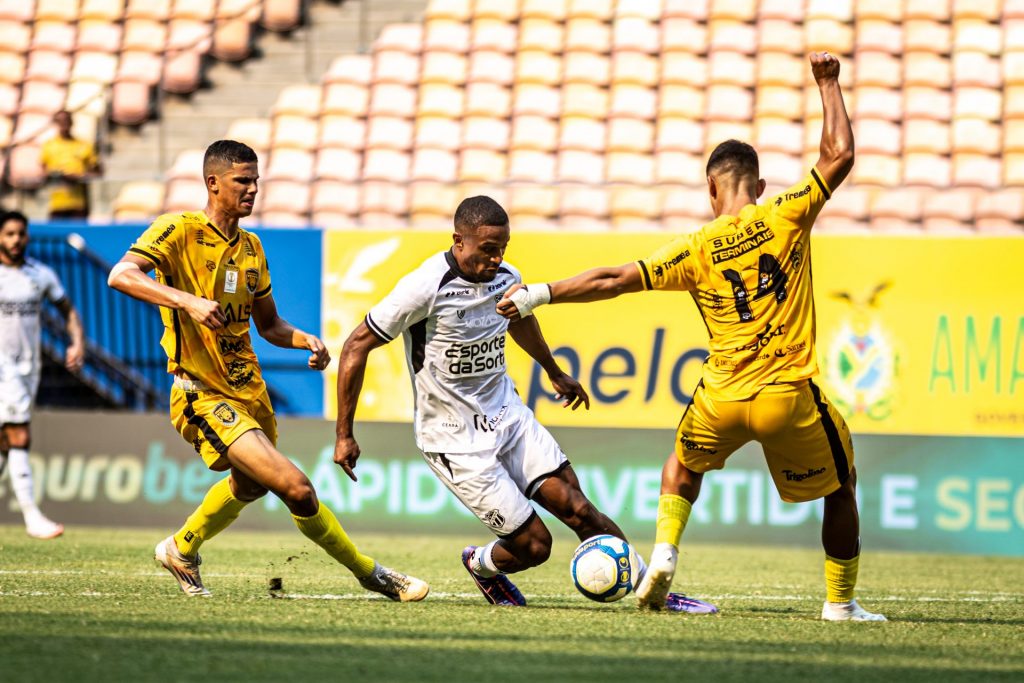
(475, 433)
(24, 283)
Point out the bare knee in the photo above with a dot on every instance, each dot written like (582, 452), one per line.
(582, 514)
(245, 489)
(299, 496)
(538, 550)
(531, 548)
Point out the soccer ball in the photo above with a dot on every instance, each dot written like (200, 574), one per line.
(604, 568)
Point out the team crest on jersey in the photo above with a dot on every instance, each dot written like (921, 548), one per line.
(494, 519)
(461, 313)
(861, 364)
(225, 413)
(252, 276)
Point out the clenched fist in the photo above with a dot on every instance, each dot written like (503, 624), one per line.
(824, 66)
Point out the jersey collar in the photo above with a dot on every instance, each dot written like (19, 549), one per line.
(231, 242)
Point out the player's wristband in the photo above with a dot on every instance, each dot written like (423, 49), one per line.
(530, 297)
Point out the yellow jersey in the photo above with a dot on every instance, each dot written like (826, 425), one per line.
(750, 276)
(74, 157)
(192, 255)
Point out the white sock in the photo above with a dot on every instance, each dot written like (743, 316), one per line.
(21, 482)
(482, 562)
(641, 569)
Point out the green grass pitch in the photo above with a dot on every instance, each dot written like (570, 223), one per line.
(93, 606)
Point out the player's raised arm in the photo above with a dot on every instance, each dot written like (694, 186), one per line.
(280, 332)
(351, 370)
(596, 284)
(128, 276)
(836, 152)
(527, 334)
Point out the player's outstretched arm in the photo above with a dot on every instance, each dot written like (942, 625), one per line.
(835, 158)
(74, 357)
(128, 276)
(597, 284)
(527, 334)
(280, 332)
(351, 370)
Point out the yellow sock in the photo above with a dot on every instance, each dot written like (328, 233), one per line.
(840, 578)
(673, 513)
(325, 530)
(218, 509)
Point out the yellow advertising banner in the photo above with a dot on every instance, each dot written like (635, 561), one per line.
(916, 335)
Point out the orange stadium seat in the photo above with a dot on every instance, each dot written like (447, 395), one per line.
(1013, 102)
(145, 35)
(926, 135)
(99, 36)
(184, 195)
(200, 10)
(630, 135)
(17, 10)
(877, 169)
(182, 72)
(735, 36)
(488, 99)
(635, 208)
(541, 34)
(383, 203)
(532, 207)
(253, 132)
(502, 10)
(777, 35)
(934, 170)
(983, 103)
(456, 10)
(440, 132)
(586, 67)
(187, 165)
(581, 99)
(58, 10)
(731, 68)
(582, 133)
(386, 164)
(534, 66)
(443, 67)
(846, 211)
(534, 132)
(635, 34)
(779, 135)
(680, 135)
(636, 68)
(281, 15)
(879, 36)
(346, 132)
(392, 66)
(1013, 169)
(391, 99)
(54, 35)
(1013, 67)
(686, 209)
(679, 168)
(15, 36)
(602, 10)
(285, 196)
(977, 69)
(927, 69)
(297, 132)
(539, 100)
(680, 34)
(682, 101)
(49, 66)
(936, 10)
(139, 200)
(629, 167)
(290, 164)
(950, 212)
(12, 67)
(636, 100)
(129, 103)
(780, 69)
(923, 102)
(42, 97)
(357, 69)
(299, 100)
(737, 10)
(587, 34)
(531, 165)
(338, 164)
(927, 36)
(684, 68)
(877, 69)
(399, 38)
(1013, 135)
(584, 201)
(977, 136)
(1000, 212)
(389, 132)
(729, 103)
(497, 36)
(189, 34)
(491, 67)
(482, 165)
(642, 9)
(877, 136)
(780, 168)
(898, 210)
(828, 35)
(6, 130)
(977, 170)
(438, 99)
(445, 34)
(33, 128)
(347, 99)
(977, 36)
(552, 10)
(232, 39)
(430, 203)
(780, 101)
(434, 164)
(580, 166)
(881, 103)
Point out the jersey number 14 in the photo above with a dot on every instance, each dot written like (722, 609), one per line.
(770, 280)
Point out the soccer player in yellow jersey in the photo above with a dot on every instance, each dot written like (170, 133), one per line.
(749, 272)
(212, 277)
(69, 164)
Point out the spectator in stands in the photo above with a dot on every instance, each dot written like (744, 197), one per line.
(24, 285)
(69, 165)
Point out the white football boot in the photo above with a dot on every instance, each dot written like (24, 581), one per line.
(653, 588)
(183, 568)
(394, 584)
(38, 526)
(848, 611)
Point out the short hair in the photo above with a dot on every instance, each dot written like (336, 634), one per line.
(733, 157)
(13, 216)
(227, 152)
(474, 212)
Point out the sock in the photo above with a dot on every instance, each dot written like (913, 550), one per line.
(840, 578)
(21, 482)
(673, 513)
(3, 462)
(218, 509)
(482, 563)
(640, 570)
(325, 530)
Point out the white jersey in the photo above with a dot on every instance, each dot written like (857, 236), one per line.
(22, 290)
(455, 349)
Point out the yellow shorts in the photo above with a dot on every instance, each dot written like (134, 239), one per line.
(211, 422)
(806, 441)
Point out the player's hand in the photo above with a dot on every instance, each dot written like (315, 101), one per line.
(346, 452)
(506, 307)
(318, 355)
(824, 66)
(205, 312)
(569, 389)
(74, 357)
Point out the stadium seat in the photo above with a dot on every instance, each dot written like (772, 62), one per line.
(781, 69)
(405, 37)
(879, 35)
(731, 68)
(777, 35)
(129, 103)
(33, 128)
(1013, 135)
(253, 132)
(729, 103)
(552, 10)
(1013, 102)
(850, 204)
(182, 72)
(927, 69)
(434, 164)
(533, 206)
(582, 99)
(12, 67)
(679, 34)
(188, 165)
(580, 166)
(871, 102)
(582, 133)
(933, 103)
(338, 164)
(491, 67)
(635, 208)
(346, 99)
(898, 210)
(232, 39)
(877, 69)
(578, 202)
(779, 101)
(535, 66)
(977, 136)
(53, 35)
(389, 132)
(877, 136)
(828, 35)
(184, 195)
(586, 68)
(455, 10)
(286, 196)
(1000, 212)
(281, 15)
(382, 203)
(1013, 169)
(9, 97)
(42, 97)
(877, 169)
(680, 135)
(541, 34)
(950, 212)
(679, 168)
(587, 34)
(487, 99)
(483, 165)
(638, 101)
(1013, 67)
(780, 135)
(441, 132)
(390, 99)
(684, 68)
(58, 10)
(601, 10)
(534, 132)
(99, 36)
(629, 167)
(393, 66)
(17, 10)
(935, 10)
(732, 36)
(977, 36)
(431, 203)
(982, 103)
(446, 34)
(635, 34)
(635, 68)
(539, 100)
(495, 36)
(443, 67)
(977, 69)
(297, 132)
(47, 65)
(6, 130)
(531, 165)
(630, 135)
(933, 170)
(290, 164)
(977, 170)
(927, 36)
(139, 200)
(926, 135)
(438, 99)
(356, 69)
(15, 36)
(345, 132)
(145, 35)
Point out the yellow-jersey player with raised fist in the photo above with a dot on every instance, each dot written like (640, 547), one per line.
(212, 280)
(749, 272)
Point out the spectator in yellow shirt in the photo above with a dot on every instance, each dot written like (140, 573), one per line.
(69, 164)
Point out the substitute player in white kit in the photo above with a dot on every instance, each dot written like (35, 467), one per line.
(24, 283)
(476, 434)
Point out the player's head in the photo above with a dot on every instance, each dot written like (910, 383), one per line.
(481, 235)
(62, 120)
(733, 168)
(13, 236)
(230, 171)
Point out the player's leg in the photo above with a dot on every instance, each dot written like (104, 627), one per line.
(561, 495)
(18, 439)
(809, 451)
(708, 433)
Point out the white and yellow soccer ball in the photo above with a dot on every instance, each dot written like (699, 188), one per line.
(605, 568)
